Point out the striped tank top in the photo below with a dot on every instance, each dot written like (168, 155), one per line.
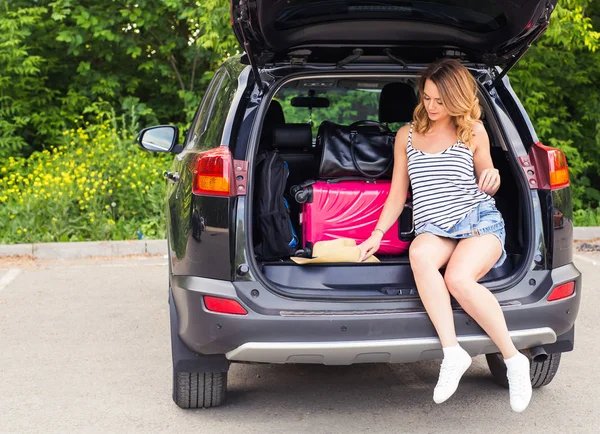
(444, 186)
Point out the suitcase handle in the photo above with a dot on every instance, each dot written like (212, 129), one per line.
(406, 236)
(351, 178)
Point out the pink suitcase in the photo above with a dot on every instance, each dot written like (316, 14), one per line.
(350, 209)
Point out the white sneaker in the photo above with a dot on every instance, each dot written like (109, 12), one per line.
(455, 364)
(519, 381)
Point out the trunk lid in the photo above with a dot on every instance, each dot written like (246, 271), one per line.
(493, 32)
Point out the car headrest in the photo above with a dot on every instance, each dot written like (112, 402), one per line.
(397, 103)
(275, 113)
(292, 136)
(274, 116)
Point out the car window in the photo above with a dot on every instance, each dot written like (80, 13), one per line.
(345, 106)
(218, 112)
(201, 122)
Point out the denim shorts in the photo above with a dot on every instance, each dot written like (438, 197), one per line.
(484, 219)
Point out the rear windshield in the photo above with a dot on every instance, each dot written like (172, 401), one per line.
(347, 101)
(474, 15)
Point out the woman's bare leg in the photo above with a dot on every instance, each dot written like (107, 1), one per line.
(428, 253)
(470, 261)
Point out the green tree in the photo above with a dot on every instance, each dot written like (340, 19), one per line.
(60, 58)
(557, 81)
(26, 99)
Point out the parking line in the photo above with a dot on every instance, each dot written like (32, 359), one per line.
(586, 259)
(9, 277)
(154, 264)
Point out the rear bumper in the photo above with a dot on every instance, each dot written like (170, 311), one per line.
(278, 330)
(377, 351)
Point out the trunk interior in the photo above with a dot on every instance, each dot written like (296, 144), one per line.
(344, 100)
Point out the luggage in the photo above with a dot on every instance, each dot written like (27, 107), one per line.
(344, 208)
(365, 148)
(274, 234)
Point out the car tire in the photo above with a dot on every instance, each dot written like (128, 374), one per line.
(542, 373)
(199, 389)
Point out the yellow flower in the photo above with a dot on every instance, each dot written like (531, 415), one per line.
(54, 219)
(12, 216)
(24, 229)
(18, 231)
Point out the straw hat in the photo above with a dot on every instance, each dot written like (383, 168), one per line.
(338, 250)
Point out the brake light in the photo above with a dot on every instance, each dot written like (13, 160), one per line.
(551, 163)
(562, 291)
(224, 305)
(213, 173)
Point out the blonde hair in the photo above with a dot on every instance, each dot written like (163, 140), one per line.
(458, 91)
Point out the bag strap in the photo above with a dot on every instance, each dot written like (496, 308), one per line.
(367, 123)
(354, 133)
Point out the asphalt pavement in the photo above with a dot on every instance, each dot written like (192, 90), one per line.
(84, 347)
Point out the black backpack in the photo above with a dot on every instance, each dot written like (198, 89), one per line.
(274, 235)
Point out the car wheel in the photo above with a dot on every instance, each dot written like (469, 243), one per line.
(199, 389)
(541, 373)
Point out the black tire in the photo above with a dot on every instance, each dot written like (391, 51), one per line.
(199, 389)
(542, 373)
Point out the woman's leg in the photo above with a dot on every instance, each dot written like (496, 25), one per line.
(470, 261)
(428, 253)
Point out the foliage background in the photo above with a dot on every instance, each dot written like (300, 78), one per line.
(79, 78)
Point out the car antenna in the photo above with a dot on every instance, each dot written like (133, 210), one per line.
(388, 52)
(356, 53)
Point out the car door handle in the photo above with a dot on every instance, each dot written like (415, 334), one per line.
(172, 176)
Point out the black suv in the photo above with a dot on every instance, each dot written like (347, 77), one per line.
(306, 62)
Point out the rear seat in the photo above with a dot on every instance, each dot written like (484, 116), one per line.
(294, 144)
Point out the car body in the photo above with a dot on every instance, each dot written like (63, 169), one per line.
(226, 306)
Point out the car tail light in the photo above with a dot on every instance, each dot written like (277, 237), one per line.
(551, 166)
(562, 291)
(224, 305)
(213, 172)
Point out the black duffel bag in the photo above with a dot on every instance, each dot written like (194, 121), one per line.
(365, 148)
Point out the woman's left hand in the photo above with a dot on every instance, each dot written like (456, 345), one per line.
(489, 181)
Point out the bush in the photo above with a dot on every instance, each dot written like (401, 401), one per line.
(587, 217)
(97, 185)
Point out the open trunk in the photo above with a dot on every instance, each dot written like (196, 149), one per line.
(344, 100)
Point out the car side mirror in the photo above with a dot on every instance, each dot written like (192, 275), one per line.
(161, 138)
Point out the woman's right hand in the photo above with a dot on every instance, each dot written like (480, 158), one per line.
(369, 246)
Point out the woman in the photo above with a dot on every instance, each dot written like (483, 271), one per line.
(445, 154)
